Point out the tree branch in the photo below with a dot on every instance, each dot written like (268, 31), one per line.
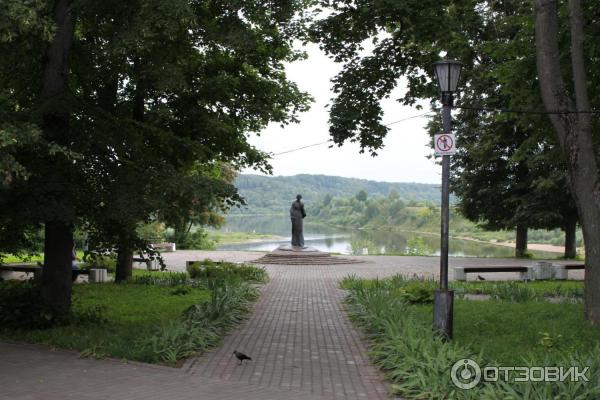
(552, 86)
(578, 63)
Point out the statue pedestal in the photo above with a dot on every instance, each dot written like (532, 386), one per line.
(305, 249)
(294, 255)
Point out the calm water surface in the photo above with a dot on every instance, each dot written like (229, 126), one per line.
(355, 241)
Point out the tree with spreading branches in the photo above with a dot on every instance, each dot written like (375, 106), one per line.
(122, 112)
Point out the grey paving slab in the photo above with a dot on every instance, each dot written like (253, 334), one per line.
(38, 373)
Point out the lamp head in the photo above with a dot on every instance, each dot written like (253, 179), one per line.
(447, 73)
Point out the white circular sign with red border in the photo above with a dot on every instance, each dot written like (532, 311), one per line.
(444, 144)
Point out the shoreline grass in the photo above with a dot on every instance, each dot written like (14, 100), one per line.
(239, 237)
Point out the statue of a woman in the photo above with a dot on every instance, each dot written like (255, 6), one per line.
(297, 214)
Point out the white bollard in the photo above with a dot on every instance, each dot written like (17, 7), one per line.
(527, 275)
(459, 274)
(154, 265)
(560, 272)
(543, 270)
(98, 275)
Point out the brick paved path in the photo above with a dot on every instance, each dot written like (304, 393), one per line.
(302, 344)
(299, 339)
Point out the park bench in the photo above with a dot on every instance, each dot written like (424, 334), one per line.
(151, 265)
(142, 260)
(21, 267)
(573, 266)
(460, 273)
(36, 270)
(562, 270)
(539, 270)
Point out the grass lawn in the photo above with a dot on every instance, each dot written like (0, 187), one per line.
(506, 332)
(567, 288)
(132, 312)
(11, 258)
(511, 330)
(237, 237)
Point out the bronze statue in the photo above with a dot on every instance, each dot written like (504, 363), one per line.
(297, 214)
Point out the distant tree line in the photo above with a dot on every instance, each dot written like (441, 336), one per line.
(391, 213)
(266, 194)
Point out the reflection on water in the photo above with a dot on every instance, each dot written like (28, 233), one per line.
(336, 240)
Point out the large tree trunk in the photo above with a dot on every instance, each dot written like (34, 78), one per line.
(570, 238)
(574, 132)
(58, 245)
(521, 245)
(124, 268)
(124, 262)
(56, 278)
(124, 265)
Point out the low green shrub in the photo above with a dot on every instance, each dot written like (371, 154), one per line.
(211, 270)
(228, 304)
(512, 291)
(197, 240)
(22, 307)
(201, 324)
(533, 290)
(152, 232)
(418, 292)
(418, 362)
(531, 390)
(177, 340)
(149, 318)
(415, 290)
(351, 282)
(163, 279)
(107, 262)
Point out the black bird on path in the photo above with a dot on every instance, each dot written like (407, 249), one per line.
(481, 278)
(241, 356)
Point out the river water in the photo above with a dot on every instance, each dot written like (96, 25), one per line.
(354, 241)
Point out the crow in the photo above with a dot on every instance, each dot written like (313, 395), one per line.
(481, 278)
(241, 356)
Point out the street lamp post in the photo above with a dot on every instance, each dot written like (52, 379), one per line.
(447, 73)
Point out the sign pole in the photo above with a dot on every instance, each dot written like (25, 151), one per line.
(444, 298)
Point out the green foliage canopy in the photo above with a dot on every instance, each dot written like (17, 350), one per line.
(508, 170)
(160, 94)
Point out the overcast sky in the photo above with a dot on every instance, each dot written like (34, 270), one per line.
(403, 159)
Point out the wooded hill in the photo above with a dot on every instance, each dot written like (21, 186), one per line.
(274, 194)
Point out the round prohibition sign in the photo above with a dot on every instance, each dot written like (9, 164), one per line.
(445, 143)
